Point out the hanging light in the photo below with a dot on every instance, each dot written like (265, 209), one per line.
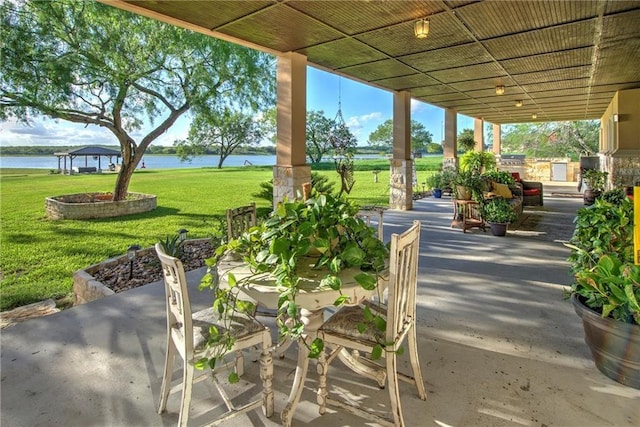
(421, 28)
(534, 116)
(519, 103)
(499, 90)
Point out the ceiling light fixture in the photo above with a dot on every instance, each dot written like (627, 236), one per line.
(518, 103)
(499, 90)
(534, 116)
(421, 28)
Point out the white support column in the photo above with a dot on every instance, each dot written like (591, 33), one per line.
(401, 179)
(478, 134)
(450, 147)
(291, 170)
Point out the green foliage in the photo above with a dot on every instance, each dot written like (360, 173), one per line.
(477, 162)
(382, 136)
(68, 60)
(602, 260)
(324, 227)
(498, 210)
(442, 179)
(225, 130)
(466, 141)
(615, 196)
(318, 133)
(552, 139)
(471, 180)
(499, 176)
(172, 245)
(319, 183)
(594, 179)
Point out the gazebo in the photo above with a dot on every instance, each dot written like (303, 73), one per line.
(96, 153)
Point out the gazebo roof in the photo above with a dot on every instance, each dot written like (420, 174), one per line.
(90, 151)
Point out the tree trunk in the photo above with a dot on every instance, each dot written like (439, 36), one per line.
(122, 182)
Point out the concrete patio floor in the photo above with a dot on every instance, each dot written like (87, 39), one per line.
(499, 345)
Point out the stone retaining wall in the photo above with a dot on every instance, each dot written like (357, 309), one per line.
(86, 288)
(97, 205)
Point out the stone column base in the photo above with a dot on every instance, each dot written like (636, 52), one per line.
(287, 182)
(450, 162)
(401, 190)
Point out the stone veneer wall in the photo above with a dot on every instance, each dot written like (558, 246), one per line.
(624, 171)
(97, 205)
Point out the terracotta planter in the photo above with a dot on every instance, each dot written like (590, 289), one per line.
(614, 345)
(498, 229)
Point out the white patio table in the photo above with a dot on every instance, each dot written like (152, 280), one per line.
(313, 299)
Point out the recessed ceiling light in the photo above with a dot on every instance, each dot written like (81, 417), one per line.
(519, 103)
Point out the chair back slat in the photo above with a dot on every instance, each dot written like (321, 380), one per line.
(403, 279)
(240, 219)
(177, 301)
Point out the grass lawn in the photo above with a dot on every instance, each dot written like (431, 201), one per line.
(38, 256)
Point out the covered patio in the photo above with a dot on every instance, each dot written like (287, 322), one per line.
(499, 345)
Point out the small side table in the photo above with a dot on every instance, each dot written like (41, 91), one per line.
(466, 214)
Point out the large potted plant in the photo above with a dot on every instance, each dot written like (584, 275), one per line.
(606, 290)
(594, 181)
(469, 185)
(499, 214)
(324, 227)
(440, 181)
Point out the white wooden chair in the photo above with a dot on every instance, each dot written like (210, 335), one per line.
(369, 214)
(240, 219)
(340, 330)
(187, 335)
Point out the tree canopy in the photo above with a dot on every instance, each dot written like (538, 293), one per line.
(382, 136)
(466, 141)
(89, 63)
(552, 139)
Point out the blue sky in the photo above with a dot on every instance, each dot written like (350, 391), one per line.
(363, 108)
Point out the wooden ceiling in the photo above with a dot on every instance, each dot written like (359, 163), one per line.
(563, 59)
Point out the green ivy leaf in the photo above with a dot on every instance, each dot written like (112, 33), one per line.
(366, 312)
(201, 363)
(366, 280)
(233, 377)
(352, 254)
(340, 300)
(400, 351)
(361, 327)
(376, 352)
(331, 281)
(380, 322)
(316, 348)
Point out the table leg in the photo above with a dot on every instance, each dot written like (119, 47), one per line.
(312, 321)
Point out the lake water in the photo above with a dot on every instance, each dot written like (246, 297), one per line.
(150, 161)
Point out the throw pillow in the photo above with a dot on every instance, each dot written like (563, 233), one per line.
(502, 190)
(516, 176)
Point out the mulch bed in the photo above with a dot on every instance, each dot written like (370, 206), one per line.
(147, 268)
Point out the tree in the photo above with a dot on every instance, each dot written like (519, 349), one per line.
(89, 63)
(222, 132)
(466, 141)
(318, 132)
(553, 139)
(382, 136)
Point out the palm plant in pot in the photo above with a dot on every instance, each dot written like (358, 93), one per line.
(606, 290)
(499, 214)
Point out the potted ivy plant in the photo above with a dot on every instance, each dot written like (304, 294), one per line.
(594, 181)
(468, 185)
(324, 227)
(606, 290)
(499, 214)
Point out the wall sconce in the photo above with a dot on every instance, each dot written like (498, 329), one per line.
(132, 253)
(421, 28)
(182, 234)
(519, 103)
(499, 90)
(534, 116)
